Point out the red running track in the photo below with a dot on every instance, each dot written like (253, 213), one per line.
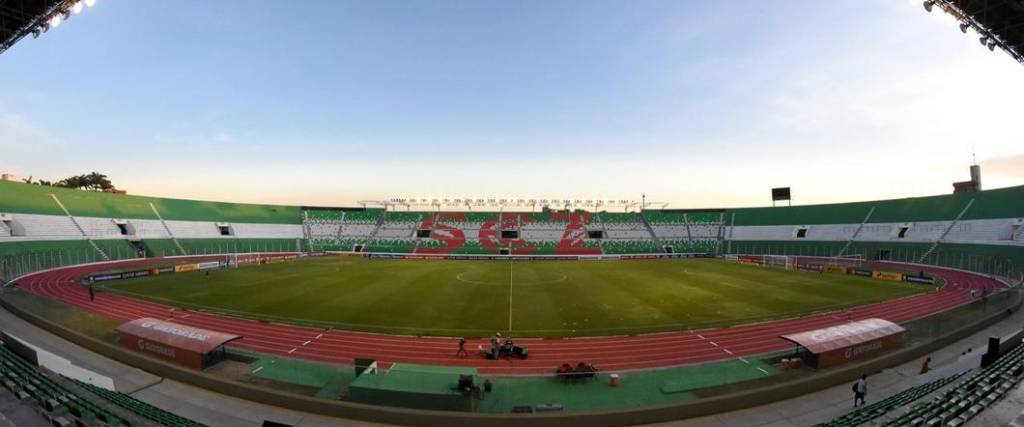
(608, 353)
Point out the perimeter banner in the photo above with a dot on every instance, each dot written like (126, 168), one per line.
(181, 268)
(862, 272)
(919, 279)
(209, 265)
(887, 275)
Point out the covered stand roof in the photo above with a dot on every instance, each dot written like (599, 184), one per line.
(1000, 23)
(841, 336)
(176, 335)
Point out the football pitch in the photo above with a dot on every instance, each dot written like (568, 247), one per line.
(522, 298)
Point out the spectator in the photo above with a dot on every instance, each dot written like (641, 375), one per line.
(564, 371)
(495, 344)
(925, 366)
(860, 390)
(509, 346)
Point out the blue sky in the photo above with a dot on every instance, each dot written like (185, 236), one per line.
(698, 104)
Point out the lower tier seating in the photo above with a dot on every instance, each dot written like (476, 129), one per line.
(139, 407)
(877, 409)
(31, 385)
(981, 389)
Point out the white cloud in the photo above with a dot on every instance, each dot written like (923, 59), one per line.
(1006, 166)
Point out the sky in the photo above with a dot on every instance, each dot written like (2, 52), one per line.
(695, 104)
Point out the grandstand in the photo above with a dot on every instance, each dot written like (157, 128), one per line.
(42, 227)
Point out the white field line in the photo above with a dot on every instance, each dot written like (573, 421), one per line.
(510, 296)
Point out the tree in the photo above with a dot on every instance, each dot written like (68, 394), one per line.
(39, 182)
(93, 181)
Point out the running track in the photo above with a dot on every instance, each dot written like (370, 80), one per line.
(608, 353)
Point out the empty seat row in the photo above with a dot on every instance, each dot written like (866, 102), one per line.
(967, 399)
(31, 385)
(870, 412)
(139, 407)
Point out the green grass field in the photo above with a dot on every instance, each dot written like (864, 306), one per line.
(538, 298)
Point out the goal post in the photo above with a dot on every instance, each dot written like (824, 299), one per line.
(779, 261)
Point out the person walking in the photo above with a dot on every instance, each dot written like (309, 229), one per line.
(92, 294)
(461, 354)
(860, 389)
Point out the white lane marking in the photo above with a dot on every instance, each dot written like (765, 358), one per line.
(726, 350)
(762, 370)
(307, 342)
(744, 361)
(713, 343)
(292, 350)
(701, 336)
(257, 369)
(318, 336)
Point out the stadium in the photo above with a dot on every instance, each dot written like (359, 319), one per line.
(122, 309)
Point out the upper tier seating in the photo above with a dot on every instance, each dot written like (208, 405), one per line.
(99, 228)
(46, 227)
(37, 199)
(148, 228)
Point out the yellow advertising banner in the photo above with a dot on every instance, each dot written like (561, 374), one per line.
(835, 269)
(887, 275)
(185, 267)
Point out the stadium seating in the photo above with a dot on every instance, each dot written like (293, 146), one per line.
(968, 398)
(29, 384)
(875, 410)
(391, 245)
(59, 400)
(36, 199)
(139, 407)
(631, 247)
(951, 230)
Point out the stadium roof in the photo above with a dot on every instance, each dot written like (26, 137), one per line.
(1000, 23)
(19, 18)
